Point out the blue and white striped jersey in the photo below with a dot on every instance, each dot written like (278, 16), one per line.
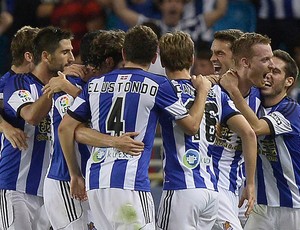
(187, 160)
(24, 171)
(58, 169)
(124, 100)
(227, 151)
(279, 9)
(278, 164)
(3, 81)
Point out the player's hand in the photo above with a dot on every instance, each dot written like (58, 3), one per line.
(77, 188)
(249, 195)
(127, 144)
(55, 84)
(229, 81)
(75, 70)
(201, 83)
(15, 136)
(213, 78)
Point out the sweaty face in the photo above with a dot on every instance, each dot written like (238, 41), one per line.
(275, 80)
(62, 56)
(221, 56)
(260, 64)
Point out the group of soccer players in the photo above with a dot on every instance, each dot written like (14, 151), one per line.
(78, 139)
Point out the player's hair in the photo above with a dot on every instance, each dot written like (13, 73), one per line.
(86, 45)
(291, 69)
(176, 51)
(140, 45)
(21, 43)
(107, 44)
(229, 35)
(48, 40)
(242, 47)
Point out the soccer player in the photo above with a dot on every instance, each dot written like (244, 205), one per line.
(22, 172)
(278, 127)
(22, 62)
(251, 55)
(124, 100)
(74, 213)
(190, 198)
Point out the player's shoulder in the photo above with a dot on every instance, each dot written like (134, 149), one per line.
(288, 106)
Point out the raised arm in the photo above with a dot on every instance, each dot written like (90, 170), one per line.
(218, 12)
(129, 16)
(191, 123)
(229, 81)
(59, 84)
(239, 125)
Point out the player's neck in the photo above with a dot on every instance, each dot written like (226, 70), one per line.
(129, 64)
(179, 74)
(271, 100)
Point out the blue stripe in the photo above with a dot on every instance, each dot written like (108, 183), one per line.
(261, 189)
(271, 9)
(288, 9)
(117, 176)
(94, 176)
(234, 172)
(36, 164)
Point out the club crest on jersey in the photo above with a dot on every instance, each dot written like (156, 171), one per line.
(99, 154)
(24, 95)
(191, 158)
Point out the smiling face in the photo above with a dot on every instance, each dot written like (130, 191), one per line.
(259, 64)
(276, 82)
(221, 56)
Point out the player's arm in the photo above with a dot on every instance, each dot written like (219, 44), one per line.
(15, 136)
(34, 112)
(59, 84)
(129, 16)
(66, 132)
(218, 12)
(124, 143)
(230, 82)
(191, 123)
(239, 125)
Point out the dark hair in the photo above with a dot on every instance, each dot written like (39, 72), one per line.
(229, 35)
(291, 69)
(107, 44)
(140, 45)
(85, 45)
(48, 40)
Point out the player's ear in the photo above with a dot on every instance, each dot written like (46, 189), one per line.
(245, 62)
(289, 81)
(154, 58)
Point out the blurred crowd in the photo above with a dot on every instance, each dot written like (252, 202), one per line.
(280, 20)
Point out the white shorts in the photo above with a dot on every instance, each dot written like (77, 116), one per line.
(228, 211)
(275, 218)
(122, 209)
(63, 211)
(19, 210)
(188, 209)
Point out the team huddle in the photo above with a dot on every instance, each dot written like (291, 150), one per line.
(77, 138)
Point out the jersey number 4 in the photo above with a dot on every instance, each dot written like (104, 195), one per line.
(115, 124)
